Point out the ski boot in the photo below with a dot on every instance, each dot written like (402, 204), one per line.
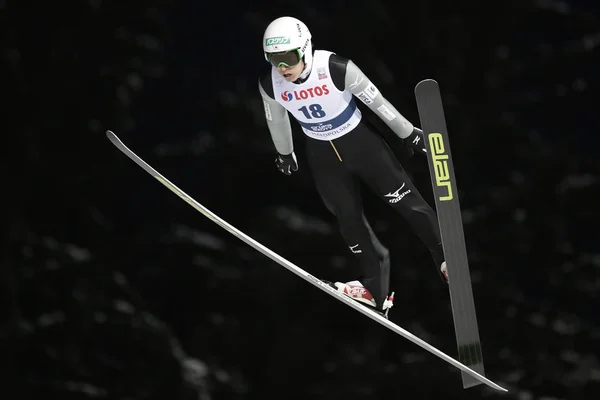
(444, 271)
(357, 292)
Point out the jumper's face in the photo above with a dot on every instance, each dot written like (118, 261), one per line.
(291, 73)
(289, 63)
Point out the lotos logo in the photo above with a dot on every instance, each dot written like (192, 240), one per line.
(277, 40)
(304, 94)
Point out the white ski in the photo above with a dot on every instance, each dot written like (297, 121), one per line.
(375, 316)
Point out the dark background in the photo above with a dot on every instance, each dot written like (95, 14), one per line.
(112, 287)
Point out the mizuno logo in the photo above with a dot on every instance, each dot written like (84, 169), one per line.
(396, 193)
(396, 196)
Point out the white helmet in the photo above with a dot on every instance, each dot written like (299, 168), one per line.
(285, 34)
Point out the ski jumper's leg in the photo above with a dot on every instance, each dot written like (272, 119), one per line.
(377, 165)
(340, 193)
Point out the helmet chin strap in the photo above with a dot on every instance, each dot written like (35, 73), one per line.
(307, 69)
(308, 61)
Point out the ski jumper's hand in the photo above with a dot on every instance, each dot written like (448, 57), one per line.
(416, 141)
(286, 163)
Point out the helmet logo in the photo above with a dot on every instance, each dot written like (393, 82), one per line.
(305, 46)
(272, 41)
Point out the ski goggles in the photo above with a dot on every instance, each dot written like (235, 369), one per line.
(286, 58)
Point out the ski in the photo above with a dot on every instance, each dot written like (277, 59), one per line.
(324, 286)
(443, 179)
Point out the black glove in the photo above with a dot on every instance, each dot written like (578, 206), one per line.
(416, 141)
(287, 163)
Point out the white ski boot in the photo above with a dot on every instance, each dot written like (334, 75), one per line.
(444, 270)
(356, 291)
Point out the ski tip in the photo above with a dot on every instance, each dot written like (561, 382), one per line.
(113, 138)
(428, 80)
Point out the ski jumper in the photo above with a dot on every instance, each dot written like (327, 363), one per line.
(342, 150)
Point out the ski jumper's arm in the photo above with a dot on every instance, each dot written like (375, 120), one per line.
(350, 77)
(278, 120)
